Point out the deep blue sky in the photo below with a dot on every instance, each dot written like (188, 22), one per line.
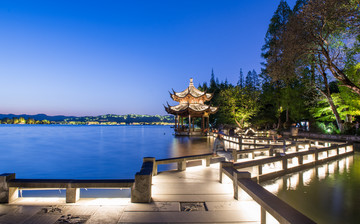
(100, 57)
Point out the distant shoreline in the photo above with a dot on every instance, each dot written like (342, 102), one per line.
(109, 119)
(130, 124)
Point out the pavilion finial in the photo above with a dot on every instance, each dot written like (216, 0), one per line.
(191, 82)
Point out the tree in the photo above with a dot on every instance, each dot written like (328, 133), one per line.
(272, 46)
(240, 83)
(320, 34)
(239, 104)
(325, 32)
(270, 51)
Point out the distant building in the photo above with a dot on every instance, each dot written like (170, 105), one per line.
(191, 105)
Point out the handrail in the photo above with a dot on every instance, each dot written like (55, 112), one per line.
(68, 183)
(316, 159)
(181, 161)
(268, 202)
(140, 186)
(279, 209)
(170, 160)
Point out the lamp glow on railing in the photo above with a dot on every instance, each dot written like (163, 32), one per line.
(292, 162)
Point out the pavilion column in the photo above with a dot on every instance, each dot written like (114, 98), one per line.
(207, 123)
(189, 130)
(176, 121)
(202, 124)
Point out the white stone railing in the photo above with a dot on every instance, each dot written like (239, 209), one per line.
(268, 202)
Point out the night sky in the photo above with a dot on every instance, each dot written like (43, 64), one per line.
(118, 57)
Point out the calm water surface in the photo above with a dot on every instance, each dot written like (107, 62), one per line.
(64, 151)
(329, 193)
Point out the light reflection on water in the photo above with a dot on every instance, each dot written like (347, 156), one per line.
(89, 152)
(329, 193)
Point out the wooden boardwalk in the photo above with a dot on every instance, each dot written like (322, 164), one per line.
(197, 191)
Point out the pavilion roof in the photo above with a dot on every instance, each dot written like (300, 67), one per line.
(185, 109)
(191, 91)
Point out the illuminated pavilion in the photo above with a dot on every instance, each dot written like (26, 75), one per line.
(191, 105)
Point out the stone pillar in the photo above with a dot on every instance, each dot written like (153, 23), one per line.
(182, 165)
(141, 190)
(316, 155)
(271, 150)
(285, 163)
(153, 161)
(301, 160)
(235, 185)
(7, 194)
(234, 154)
(239, 175)
(207, 161)
(260, 169)
(263, 215)
(223, 164)
(72, 195)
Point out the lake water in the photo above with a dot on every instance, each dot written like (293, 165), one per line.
(89, 152)
(329, 193)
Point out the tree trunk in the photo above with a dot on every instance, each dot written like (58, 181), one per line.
(238, 123)
(336, 114)
(327, 94)
(279, 121)
(287, 115)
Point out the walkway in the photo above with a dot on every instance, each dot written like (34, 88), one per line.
(196, 191)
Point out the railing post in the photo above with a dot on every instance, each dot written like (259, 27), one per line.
(234, 154)
(263, 215)
(7, 194)
(337, 149)
(271, 150)
(141, 190)
(297, 146)
(236, 176)
(260, 169)
(72, 194)
(182, 165)
(285, 163)
(240, 142)
(222, 165)
(235, 185)
(207, 161)
(301, 160)
(316, 155)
